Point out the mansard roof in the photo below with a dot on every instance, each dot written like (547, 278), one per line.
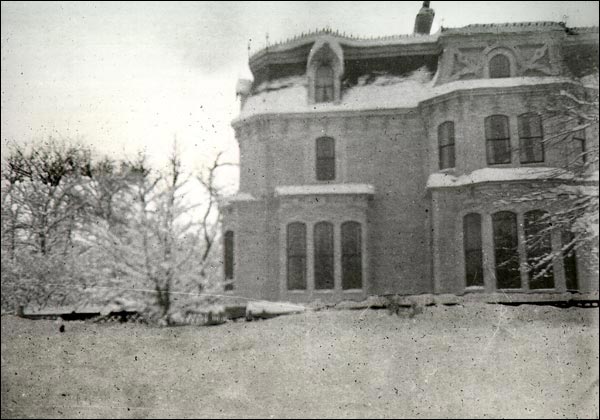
(289, 57)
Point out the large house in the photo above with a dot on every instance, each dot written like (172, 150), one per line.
(398, 165)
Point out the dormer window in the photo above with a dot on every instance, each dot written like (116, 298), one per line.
(324, 84)
(499, 67)
(324, 70)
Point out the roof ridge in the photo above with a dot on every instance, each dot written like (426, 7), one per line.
(335, 32)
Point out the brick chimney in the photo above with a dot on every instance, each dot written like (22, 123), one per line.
(424, 20)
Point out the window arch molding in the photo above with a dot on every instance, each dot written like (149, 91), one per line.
(491, 53)
(325, 53)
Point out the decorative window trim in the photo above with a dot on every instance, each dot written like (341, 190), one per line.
(325, 51)
(492, 52)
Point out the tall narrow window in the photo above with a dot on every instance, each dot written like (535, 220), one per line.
(570, 260)
(497, 137)
(351, 256)
(228, 259)
(446, 144)
(325, 159)
(323, 247)
(499, 66)
(324, 84)
(296, 256)
(576, 153)
(473, 252)
(538, 247)
(506, 250)
(531, 138)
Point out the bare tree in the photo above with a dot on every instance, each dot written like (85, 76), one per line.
(159, 254)
(43, 189)
(571, 194)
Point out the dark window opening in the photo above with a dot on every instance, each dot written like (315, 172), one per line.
(323, 244)
(446, 144)
(499, 66)
(296, 256)
(538, 246)
(576, 154)
(531, 138)
(497, 136)
(506, 250)
(351, 256)
(324, 84)
(228, 259)
(325, 159)
(570, 260)
(473, 250)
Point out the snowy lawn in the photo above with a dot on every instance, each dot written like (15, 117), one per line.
(474, 361)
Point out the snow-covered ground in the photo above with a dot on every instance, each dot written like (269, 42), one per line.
(476, 360)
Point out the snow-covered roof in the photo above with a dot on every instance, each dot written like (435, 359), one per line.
(482, 28)
(325, 189)
(445, 180)
(289, 95)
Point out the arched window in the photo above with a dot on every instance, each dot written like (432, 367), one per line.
(497, 139)
(351, 256)
(228, 259)
(538, 247)
(324, 84)
(296, 256)
(325, 159)
(569, 259)
(473, 251)
(323, 247)
(531, 144)
(506, 250)
(446, 144)
(499, 66)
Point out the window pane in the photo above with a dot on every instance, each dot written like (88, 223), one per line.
(538, 248)
(506, 250)
(351, 256)
(530, 125)
(497, 139)
(498, 151)
(324, 84)
(569, 260)
(296, 256)
(576, 149)
(228, 257)
(325, 162)
(473, 251)
(499, 66)
(532, 150)
(323, 238)
(531, 138)
(496, 127)
(446, 133)
(447, 159)
(446, 144)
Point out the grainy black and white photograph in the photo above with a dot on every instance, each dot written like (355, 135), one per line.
(299, 209)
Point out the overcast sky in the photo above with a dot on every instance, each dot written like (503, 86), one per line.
(122, 76)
